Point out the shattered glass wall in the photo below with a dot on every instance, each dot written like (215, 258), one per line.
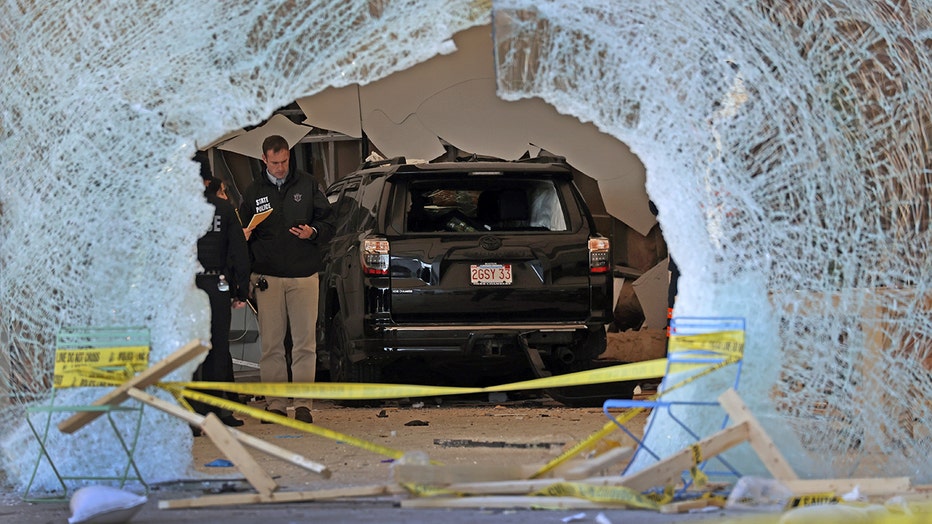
(785, 145)
(787, 148)
(104, 104)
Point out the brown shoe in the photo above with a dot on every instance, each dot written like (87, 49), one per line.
(274, 412)
(303, 414)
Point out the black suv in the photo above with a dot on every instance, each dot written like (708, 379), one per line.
(480, 269)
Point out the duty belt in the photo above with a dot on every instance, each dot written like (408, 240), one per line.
(211, 272)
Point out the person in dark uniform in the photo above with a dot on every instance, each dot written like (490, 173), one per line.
(287, 252)
(224, 256)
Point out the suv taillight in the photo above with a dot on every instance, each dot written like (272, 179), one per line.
(598, 255)
(375, 257)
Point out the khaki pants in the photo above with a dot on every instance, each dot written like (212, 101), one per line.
(294, 301)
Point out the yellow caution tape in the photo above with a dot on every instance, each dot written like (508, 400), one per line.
(261, 414)
(700, 479)
(813, 499)
(423, 490)
(724, 344)
(727, 343)
(326, 390)
(133, 356)
(589, 442)
(356, 391)
(622, 372)
(610, 494)
(90, 378)
(98, 366)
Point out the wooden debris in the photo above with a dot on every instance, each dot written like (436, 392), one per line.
(669, 470)
(760, 441)
(689, 505)
(436, 475)
(247, 439)
(745, 428)
(470, 443)
(499, 486)
(278, 497)
(868, 487)
(596, 465)
(228, 441)
(507, 502)
(224, 440)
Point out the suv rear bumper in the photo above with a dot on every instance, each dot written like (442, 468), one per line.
(549, 326)
(471, 341)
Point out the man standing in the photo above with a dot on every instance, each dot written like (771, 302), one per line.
(287, 252)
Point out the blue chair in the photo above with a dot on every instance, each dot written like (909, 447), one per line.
(698, 346)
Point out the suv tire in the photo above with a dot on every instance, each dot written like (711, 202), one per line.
(342, 369)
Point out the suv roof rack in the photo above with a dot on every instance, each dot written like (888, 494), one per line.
(398, 160)
(544, 157)
(478, 158)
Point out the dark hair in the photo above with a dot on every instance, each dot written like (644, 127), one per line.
(213, 185)
(274, 144)
(201, 158)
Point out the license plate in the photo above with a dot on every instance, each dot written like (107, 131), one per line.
(490, 274)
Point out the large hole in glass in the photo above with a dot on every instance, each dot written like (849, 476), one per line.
(785, 147)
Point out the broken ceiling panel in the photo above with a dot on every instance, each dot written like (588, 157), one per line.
(470, 116)
(453, 97)
(335, 109)
(409, 139)
(626, 200)
(250, 143)
(651, 290)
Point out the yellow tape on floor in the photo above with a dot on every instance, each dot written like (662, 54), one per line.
(609, 494)
(262, 414)
(353, 391)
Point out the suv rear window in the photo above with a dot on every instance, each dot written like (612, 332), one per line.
(478, 205)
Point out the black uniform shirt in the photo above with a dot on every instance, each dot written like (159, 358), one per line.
(223, 248)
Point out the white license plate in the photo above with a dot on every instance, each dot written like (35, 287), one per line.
(490, 274)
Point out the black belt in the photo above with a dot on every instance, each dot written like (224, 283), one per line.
(211, 272)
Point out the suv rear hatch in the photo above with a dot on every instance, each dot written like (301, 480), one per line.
(491, 247)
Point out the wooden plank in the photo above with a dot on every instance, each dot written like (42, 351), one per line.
(919, 493)
(597, 464)
(668, 471)
(147, 378)
(435, 475)
(245, 438)
(233, 450)
(866, 486)
(507, 502)
(689, 505)
(760, 441)
(509, 487)
(277, 497)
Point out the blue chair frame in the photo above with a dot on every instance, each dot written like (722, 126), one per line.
(707, 355)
